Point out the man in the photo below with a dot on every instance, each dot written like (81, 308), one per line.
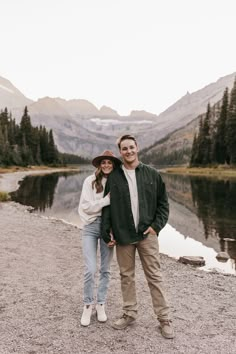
(139, 210)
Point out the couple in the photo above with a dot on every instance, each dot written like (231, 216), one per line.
(128, 210)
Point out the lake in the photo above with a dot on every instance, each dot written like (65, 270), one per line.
(202, 218)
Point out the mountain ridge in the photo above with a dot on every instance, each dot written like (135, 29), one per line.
(81, 128)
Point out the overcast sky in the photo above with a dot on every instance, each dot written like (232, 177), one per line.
(126, 54)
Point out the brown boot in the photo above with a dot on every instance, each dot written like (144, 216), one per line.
(166, 329)
(123, 322)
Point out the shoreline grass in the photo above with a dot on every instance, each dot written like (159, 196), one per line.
(219, 171)
(12, 169)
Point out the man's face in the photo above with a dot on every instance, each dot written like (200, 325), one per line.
(129, 151)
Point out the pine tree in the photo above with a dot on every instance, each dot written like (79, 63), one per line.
(2, 144)
(231, 127)
(36, 146)
(194, 151)
(11, 130)
(43, 138)
(38, 159)
(52, 150)
(4, 117)
(198, 156)
(219, 152)
(26, 129)
(205, 141)
(26, 153)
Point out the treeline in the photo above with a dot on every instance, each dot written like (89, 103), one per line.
(66, 158)
(23, 145)
(215, 142)
(161, 157)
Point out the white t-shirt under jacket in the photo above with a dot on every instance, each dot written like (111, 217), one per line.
(131, 178)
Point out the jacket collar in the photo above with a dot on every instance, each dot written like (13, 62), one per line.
(140, 165)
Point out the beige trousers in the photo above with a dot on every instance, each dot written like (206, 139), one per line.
(148, 250)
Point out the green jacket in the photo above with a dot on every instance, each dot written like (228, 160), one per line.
(153, 205)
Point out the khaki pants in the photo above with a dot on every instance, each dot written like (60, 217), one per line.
(148, 250)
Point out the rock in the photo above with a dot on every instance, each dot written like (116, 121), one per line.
(193, 260)
(222, 256)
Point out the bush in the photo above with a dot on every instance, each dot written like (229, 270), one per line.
(4, 197)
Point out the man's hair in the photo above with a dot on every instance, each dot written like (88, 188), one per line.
(124, 137)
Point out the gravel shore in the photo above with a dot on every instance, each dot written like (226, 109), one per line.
(41, 288)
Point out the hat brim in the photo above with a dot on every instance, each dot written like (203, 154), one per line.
(97, 160)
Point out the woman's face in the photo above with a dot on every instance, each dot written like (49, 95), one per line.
(106, 166)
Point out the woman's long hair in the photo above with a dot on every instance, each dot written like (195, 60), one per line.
(97, 183)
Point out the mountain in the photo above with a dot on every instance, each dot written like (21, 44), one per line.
(48, 106)
(81, 128)
(185, 110)
(175, 147)
(65, 118)
(10, 96)
(78, 107)
(107, 112)
(142, 114)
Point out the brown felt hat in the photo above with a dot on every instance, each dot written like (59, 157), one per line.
(107, 154)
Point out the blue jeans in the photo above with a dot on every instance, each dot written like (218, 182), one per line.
(91, 239)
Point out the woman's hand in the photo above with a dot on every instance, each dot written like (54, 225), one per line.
(150, 231)
(111, 243)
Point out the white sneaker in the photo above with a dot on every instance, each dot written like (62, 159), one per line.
(86, 316)
(101, 314)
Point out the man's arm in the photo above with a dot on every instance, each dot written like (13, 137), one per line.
(162, 211)
(106, 218)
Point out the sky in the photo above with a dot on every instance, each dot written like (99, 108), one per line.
(125, 54)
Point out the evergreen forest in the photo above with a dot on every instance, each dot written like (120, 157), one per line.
(215, 141)
(23, 144)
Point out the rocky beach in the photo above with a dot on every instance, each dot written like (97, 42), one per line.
(41, 286)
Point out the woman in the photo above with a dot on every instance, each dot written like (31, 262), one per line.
(90, 208)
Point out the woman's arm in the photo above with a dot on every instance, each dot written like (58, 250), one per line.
(90, 207)
(87, 202)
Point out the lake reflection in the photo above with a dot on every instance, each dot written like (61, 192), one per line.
(54, 195)
(205, 209)
(202, 211)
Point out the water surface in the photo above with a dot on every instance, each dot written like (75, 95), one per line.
(202, 211)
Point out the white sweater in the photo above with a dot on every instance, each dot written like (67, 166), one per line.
(91, 203)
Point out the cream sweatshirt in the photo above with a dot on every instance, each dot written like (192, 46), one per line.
(91, 203)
